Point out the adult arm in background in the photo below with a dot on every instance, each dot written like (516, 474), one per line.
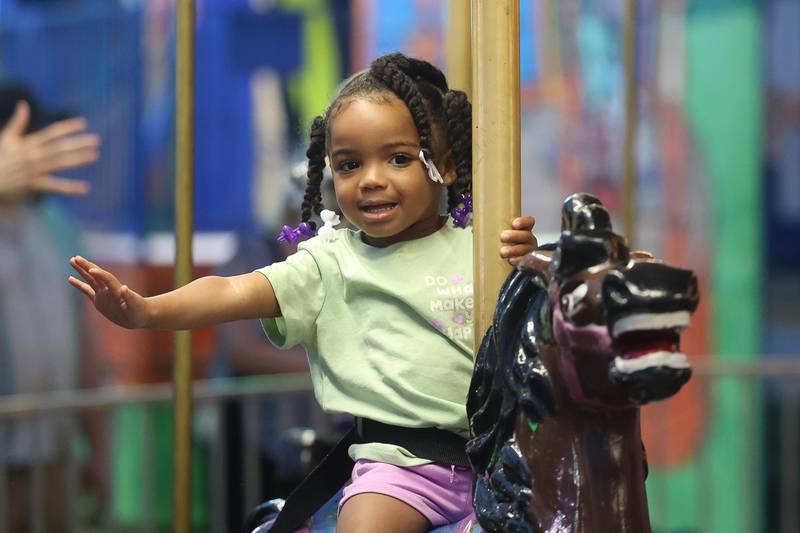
(28, 163)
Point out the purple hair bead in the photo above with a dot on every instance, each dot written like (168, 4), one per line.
(292, 235)
(461, 215)
(288, 235)
(306, 229)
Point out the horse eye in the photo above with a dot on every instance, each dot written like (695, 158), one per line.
(570, 300)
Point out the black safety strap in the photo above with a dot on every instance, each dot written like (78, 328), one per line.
(437, 445)
(335, 469)
(317, 487)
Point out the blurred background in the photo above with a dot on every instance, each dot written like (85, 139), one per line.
(85, 419)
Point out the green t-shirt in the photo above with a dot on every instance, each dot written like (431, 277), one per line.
(388, 331)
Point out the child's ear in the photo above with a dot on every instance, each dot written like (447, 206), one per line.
(449, 177)
(449, 166)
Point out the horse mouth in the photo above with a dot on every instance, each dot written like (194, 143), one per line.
(649, 340)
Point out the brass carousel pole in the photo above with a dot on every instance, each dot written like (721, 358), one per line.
(458, 50)
(184, 222)
(631, 117)
(496, 145)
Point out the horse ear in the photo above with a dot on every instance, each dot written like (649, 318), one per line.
(536, 265)
(641, 254)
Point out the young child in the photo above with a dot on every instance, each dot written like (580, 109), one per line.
(385, 312)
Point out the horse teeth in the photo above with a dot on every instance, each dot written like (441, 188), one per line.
(651, 321)
(659, 358)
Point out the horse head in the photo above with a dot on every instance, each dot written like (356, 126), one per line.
(583, 334)
(616, 316)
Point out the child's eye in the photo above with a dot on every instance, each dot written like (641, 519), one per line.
(400, 160)
(347, 166)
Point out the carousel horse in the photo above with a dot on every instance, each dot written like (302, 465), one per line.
(583, 334)
(581, 337)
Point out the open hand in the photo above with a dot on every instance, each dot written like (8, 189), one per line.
(28, 161)
(114, 300)
(518, 241)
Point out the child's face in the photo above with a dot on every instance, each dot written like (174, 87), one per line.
(381, 185)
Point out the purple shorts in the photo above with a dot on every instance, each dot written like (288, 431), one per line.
(442, 493)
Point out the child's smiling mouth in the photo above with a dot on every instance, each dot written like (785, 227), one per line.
(377, 211)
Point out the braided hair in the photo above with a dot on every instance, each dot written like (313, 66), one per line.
(433, 105)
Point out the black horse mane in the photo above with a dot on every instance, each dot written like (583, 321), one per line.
(508, 372)
(508, 376)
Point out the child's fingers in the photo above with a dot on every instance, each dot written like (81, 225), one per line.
(85, 263)
(106, 279)
(516, 237)
(521, 239)
(523, 223)
(126, 295)
(517, 250)
(83, 287)
(84, 273)
(76, 264)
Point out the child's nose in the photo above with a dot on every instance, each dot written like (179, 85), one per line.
(371, 178)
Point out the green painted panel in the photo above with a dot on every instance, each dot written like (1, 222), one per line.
(715, 491)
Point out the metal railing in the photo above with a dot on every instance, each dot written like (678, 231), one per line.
(210, 395)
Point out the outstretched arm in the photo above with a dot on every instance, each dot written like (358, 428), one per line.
(519, 241)
(204, 302)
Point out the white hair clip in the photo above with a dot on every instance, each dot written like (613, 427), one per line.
(327, 232)
(433, 172)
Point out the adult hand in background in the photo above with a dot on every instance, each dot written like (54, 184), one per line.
(28, 162)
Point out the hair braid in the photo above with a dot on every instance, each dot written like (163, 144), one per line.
(388, 70)
(312, 200)
(420, 70)
(458, 129)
